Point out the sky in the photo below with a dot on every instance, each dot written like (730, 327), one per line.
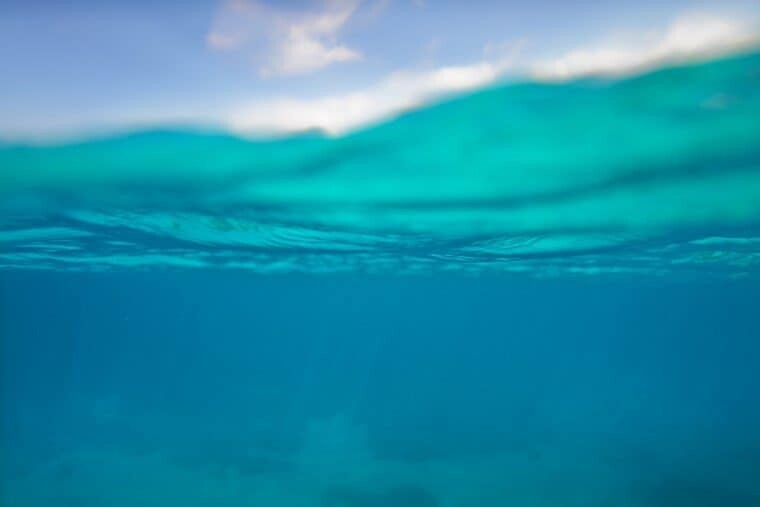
(258, 66)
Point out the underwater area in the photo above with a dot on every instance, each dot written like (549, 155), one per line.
(538, 294)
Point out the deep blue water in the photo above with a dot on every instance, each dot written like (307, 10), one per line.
(225, 388)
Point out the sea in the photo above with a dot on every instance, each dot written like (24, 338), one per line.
(540, 294)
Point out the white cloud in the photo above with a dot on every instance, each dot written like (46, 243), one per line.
(397, 92)
(689, 36)
(285, 41)
(221, 41)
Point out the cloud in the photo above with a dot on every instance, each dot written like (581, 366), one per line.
(396, 92)
(687, 37)
(285, 42)
(221, 41)
(694, 35)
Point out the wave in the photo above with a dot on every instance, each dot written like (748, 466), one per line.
(586, 177)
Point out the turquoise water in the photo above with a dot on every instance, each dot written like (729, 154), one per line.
(540, 294)
(652, 175)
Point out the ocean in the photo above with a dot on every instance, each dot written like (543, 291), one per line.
(538, 294)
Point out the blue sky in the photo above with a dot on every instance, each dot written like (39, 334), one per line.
(255, 65)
